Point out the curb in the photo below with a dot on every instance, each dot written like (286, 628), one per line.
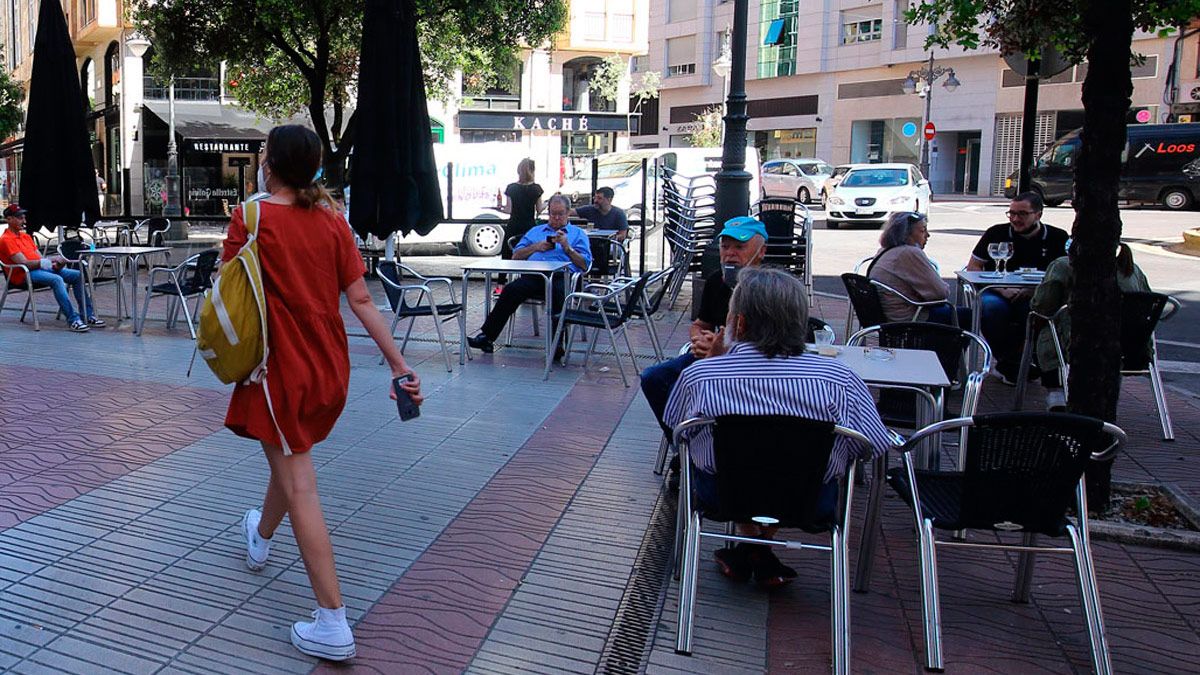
(1191, 240)
(1145, 535)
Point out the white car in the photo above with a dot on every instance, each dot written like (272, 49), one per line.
(799, 178)
(870, 194)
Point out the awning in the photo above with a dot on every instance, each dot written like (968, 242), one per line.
(212, 121)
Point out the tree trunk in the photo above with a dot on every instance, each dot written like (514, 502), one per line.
(1095, 351)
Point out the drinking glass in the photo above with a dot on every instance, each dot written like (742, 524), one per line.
(994, 254)
(1006, 254)
(823, 336)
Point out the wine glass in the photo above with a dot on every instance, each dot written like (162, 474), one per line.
(994, 254)
(1006, 254)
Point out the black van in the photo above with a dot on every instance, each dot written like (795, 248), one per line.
(1161, 165)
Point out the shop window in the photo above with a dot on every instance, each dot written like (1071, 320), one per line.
(489, 136)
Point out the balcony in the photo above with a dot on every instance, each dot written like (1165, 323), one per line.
(186, 89)
(95, 22)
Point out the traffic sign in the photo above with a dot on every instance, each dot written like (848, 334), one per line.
(930, 131)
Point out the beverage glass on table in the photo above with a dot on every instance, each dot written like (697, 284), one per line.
(994, 254)
(1006, 254)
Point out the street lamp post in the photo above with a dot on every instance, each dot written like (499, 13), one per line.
(137, 45)
(172, 179)
(921, 82)
(733, 181)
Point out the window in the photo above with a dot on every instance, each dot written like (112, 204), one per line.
(876, 178)
(681, 10)
(620, 28)
(771, 168)
(637, 63)
(593, 25)
(862, 25)
(681, 56)
(899, 25)
(489, 136)
(777, 24)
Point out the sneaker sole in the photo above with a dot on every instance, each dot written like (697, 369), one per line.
(322, 651)
(251, 563)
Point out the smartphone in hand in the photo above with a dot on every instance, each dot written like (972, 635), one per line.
(404, 403)
(551, 240)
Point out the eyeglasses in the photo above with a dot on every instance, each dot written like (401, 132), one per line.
(1020, 214)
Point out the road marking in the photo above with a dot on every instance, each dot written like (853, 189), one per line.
(1185, 367)
(1176, 343)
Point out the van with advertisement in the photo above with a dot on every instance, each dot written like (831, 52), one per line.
(622, 171)
(1160, 164)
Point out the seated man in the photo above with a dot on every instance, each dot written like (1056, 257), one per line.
(556, 241)
(767, 325)
(603, 214)
(18, 248)
(743, 242)
(1035, 245)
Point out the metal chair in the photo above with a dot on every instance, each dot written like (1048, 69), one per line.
(28, 286)
(595, 311)
(391, 277)
(189, 279)
(762, 477)
(536, 304)
(1017, 476)
(865, 304)
(1140, 314)
(151, 232)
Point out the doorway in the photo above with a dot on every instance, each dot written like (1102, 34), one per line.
(966, 162)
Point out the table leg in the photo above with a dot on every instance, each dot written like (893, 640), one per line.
(549, 281)
(133, 291)
(976, 327)
(1023, 371)
(462, 317)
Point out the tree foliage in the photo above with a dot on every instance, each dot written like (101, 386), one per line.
(11, 113)
(646, 88)
(707, 129)
(285, 56)
(607, 77)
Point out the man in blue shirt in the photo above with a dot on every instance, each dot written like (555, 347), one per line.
(556, 241)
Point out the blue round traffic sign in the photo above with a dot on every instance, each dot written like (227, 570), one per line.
(909, 129)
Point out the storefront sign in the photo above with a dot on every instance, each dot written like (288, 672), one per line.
(212, 193)
(554, 122)
(250, 146)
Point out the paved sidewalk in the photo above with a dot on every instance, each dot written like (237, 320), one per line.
(515, 527)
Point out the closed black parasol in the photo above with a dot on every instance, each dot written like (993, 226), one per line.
(58, 177)
(393, 174)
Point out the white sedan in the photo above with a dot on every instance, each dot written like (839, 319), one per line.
(871, 194)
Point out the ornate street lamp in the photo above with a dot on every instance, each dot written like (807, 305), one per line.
(920, 82)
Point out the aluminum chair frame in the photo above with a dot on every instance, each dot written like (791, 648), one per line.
(1080, 549)
(600, 301)
(29, 289)
(693, 534)
(533, 303)
(424, 289)
(917, 305)
(176, 276)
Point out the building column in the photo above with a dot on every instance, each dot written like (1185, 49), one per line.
(132, 99)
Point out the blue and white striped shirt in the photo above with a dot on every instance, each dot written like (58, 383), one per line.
(745, 382)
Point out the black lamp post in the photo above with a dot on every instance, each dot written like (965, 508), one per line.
(733, 181)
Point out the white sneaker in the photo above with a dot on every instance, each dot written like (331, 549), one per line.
(327, 637)
(257, 548)
(1056, 400)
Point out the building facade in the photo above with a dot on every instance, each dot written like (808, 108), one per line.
(826, 81)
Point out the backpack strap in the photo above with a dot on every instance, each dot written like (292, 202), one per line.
(250, 215)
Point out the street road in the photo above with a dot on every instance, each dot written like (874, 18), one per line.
(954, 228)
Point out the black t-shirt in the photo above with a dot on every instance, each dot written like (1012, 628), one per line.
(613, 220)
(714, 302)
(524, 199)
(1036, 252)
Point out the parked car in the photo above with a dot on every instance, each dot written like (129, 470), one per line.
(801, 178)
(1161, 164)
(870, 193)
(835, 177)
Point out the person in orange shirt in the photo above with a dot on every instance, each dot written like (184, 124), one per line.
(18, 248)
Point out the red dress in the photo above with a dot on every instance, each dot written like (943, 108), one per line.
(308, 258)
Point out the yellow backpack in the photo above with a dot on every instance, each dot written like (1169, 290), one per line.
(233, 321)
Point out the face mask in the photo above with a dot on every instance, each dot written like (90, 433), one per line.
(729, 273)
(261, 178)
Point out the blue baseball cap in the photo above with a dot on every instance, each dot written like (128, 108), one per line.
(743, 228)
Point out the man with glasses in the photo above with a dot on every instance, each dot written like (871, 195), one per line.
(556, 241)
(1035, 244)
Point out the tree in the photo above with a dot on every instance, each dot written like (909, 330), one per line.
(11, 113)
(1101, 32)
(645, 89)
(284, 57)
(607, 77)
(708, 128)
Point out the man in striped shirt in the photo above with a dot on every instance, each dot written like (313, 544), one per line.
(766, 372)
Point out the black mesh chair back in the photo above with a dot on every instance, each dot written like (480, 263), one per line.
(948, 342)
(156, 231)
(602, 259)
(633, 298)
(664, 285)
(200, 279)
(1140, 312)
(388, 269)
(70, 248)
(1020, 472)
(772, 466)
(778, 214)
(864, 298)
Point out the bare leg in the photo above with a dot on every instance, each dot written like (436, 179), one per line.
(297, 480)
(275, 503)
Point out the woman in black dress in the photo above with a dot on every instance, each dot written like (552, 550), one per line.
(523, 201)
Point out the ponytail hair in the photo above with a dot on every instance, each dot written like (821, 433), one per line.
(294, 156)
(525, 170)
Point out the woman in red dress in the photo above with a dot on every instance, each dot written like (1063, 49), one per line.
(309, 260)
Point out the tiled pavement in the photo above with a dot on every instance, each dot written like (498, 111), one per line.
(503, 531)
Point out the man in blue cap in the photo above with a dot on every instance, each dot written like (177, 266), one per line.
(743, 242)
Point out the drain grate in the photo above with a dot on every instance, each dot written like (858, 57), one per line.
(629, 642)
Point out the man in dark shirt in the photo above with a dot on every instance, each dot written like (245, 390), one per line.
(604, 215)
(1035, 245)
(743, 243)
